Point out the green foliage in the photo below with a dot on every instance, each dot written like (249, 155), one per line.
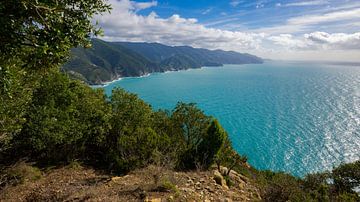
(15, 96)
(211, 144)
(36, 35)
(316, 184)
(132, 141)
(19, 173)
(228, 157)
(283, 187)
(190, 125)
(347, 177)
(40, 33)
(64, 116)
(337, 185)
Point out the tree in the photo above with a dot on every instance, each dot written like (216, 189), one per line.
(347, 177)
(65, 115)
(41, 32)
(212, 143)
(228, 157)
(132, 141)
(190, 124)
(35, 36)
(15, 95)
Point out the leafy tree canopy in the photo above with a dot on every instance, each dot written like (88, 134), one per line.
(41, 32)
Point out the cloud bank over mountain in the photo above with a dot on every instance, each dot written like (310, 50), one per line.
(128, 22)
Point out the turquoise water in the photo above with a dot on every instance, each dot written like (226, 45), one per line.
(293, 117)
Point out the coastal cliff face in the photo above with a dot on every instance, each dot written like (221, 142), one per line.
(107, 61)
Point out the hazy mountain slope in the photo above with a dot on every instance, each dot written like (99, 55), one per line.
(107, 61)
(103, 62)
(158, 52)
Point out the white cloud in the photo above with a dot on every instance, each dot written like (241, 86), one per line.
(143, 5)
(289, 41)
(207, 11)
(307, 3)
(124, 24)
(318, 41)
(338, 41)
(328, 17)
(307, 23)
(235, 3)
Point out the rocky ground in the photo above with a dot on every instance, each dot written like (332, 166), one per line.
(77, 183)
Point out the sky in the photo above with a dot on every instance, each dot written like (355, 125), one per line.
(327, 30)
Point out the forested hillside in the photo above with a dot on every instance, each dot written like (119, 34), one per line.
(106, 61)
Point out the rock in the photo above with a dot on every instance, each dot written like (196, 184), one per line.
(224, 170)
(152, 200)
(241, 186)
(209, 189)
(115, 179)
(202, 180)
(219, 179)
(188, 190)
(226, 200)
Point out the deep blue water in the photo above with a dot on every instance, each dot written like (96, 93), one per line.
(294, 117)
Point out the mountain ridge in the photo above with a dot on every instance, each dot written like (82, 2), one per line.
(107, 61)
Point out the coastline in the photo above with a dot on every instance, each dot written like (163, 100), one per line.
(107, 83)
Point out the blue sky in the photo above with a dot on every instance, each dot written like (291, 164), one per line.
(276, 29)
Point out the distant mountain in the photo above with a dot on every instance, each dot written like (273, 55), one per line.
(107, 61)
(158, 52)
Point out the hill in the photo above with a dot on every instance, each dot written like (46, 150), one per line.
(107, 61)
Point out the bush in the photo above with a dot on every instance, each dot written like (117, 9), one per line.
(211, 144)
(347, 177)
(199, 137)
(283, 187)
(64, 116)
(19, 173)
(132, 142)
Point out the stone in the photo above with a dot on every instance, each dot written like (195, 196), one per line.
(188, 190)
(219, 179)
(152, 200)
(224, 170)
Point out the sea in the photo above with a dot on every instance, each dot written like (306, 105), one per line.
(296, 117)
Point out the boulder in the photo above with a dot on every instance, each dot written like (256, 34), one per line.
(219, 179)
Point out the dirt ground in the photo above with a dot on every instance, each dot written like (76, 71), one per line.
(77, 183)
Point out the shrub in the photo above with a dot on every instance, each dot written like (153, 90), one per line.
(64, 116)
(228, 157)
(211, 144)
(347, 177)
(132, 141)
(19, 173)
